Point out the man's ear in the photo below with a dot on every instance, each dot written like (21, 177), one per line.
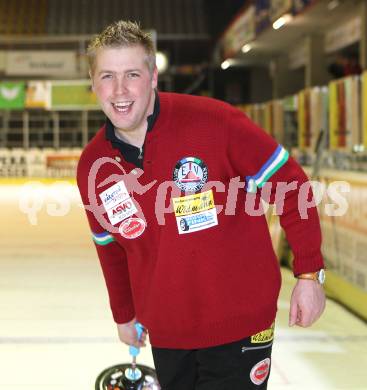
(155, 78)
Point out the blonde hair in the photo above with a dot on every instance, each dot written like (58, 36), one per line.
(122, 34)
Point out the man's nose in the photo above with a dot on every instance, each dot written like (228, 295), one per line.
(120, 86)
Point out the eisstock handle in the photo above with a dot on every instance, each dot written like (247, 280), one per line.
(134, 351)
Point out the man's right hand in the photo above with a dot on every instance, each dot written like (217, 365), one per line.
(129, 335)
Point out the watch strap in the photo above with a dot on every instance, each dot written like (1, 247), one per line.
(309, 276)
(318, 276)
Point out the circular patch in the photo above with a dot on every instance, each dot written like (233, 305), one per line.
(132, 228)
(190, 174)
(260, 371)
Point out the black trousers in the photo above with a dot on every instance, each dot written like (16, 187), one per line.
(242, 365)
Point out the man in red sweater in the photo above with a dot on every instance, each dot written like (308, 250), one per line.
(171, 186)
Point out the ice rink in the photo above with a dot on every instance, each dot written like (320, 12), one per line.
(56, 329)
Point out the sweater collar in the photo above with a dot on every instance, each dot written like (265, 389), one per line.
(151, 119)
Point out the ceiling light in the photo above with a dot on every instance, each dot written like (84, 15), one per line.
(161, 60)
(225, 64)
(286, 18)
(246, 48)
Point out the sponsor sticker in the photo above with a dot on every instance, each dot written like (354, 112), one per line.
(132, 228)
(122, 211)
(260, 371)
(186, 205)
(118, 203)
(195, 212)
(114, 195)
(190, 174)
(263, 337)
(196, 222)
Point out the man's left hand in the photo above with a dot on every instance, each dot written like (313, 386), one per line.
(307, 303)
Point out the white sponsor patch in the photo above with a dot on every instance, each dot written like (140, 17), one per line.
(122, 211)
(118, 203)
(114, 195)
(260, 371)
(196, 222)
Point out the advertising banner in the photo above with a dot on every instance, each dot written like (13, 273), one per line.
(269, 118)
(364, 109)
(300, 5)
(344, 113)
(12, 95)
(278, 122)
(38, 94)
(312, 116)
(344, 235)
(279, 8)
(259, 114)
(245, 108)
(40, 63)
(304, 119)
(240, 32)
(73, 95)
(353, 109)
(290, 121)
(343, 36)
(262, 15)
(333, 115)
(2, 61)
(290, 103)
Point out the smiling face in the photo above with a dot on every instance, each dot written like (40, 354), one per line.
(124, 86)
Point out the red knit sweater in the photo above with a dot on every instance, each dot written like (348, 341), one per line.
(206, 287)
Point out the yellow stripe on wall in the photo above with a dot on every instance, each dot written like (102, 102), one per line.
(347, 293)
(333, 115)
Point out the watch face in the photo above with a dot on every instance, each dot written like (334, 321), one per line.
(321, 276)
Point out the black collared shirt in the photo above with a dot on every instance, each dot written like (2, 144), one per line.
(130, 152)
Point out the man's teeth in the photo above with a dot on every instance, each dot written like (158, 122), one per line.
(122, 107)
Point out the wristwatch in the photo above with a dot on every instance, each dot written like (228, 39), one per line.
(318, 276)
